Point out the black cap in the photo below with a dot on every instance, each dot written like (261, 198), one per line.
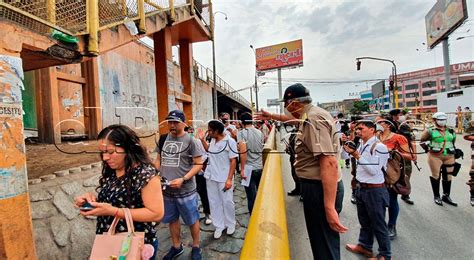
(176, 115)
(295, 91)
(395, 112)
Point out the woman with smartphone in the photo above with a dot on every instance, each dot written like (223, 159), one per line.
(129, 180)
(222, 155)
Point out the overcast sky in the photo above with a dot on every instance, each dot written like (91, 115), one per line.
(334, 33)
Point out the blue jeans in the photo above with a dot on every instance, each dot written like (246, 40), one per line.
(155, 246)
(393, 208)
(252, 189)
(371, 206)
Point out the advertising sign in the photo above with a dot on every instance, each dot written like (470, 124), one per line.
(282, 55)
(443, 18)
(378, 89)
(273, 102)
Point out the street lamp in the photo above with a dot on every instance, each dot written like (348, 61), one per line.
(256, 87)
(214, 74)
(394, 72)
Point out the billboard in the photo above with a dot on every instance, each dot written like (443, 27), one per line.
(273, 102)
(443, 18)
(378, 89)
(288, 54)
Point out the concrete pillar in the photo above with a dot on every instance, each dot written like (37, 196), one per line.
(16, 229)
(92, 107)
(164, 75)
(187, 77)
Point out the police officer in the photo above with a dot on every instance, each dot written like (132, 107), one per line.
(441, 159)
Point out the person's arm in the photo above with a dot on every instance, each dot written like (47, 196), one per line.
(230, 176)
(242, 148)
(405, 152)
(329, 179)
(157, 162)
(197, 166)
(265, 115)
(153, 209)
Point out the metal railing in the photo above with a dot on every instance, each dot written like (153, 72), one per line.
(267, 233)
(78, 17)
(206, 74)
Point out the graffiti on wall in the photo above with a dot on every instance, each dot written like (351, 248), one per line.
(13, 177)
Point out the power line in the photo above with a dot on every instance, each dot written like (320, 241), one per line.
(321, 81)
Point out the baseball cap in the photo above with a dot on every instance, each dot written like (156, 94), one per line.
(295, 91)
(176, 115)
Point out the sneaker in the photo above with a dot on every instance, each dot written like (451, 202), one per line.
(196, 253)
(174, 252)
(207, 220)
(472, 201)
(392, 232)
(407, 199)
(218, 233)
(230, 230)
(348, 166)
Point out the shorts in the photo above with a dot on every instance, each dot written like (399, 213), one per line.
(186, 207)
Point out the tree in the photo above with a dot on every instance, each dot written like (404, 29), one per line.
(359, 107)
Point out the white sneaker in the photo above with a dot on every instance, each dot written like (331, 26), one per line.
(218, 233)
(208, 220)
(230, 230)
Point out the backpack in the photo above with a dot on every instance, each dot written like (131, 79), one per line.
(394, 172)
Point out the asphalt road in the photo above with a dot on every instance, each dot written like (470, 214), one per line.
(425, 230)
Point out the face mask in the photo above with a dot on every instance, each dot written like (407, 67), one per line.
(224, 121)
(441, 122)
(378, 127)
(402, 119)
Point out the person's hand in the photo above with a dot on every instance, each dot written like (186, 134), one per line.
(100, 209)
(262, 115)
(228, 184)
(176, 183)
(348, 149)
(88, 197)
(242, 175)
(333, 221)
(201, 134)
(344, 138)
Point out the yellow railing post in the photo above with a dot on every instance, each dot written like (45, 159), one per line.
(267, 233)
(93, 25)
(124, 8)
(172, 13)
(141, 14)
(192, 7)
(51, 11)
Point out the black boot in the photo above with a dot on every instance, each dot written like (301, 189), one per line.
(447, 191)
(435, 187)
(407, 199)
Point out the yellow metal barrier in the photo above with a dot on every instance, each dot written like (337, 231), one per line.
(267, 233)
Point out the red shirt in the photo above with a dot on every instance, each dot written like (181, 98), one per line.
(395, 142)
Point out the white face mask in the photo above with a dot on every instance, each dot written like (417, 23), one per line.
(379, 127)
(441, 122)
(402, 119)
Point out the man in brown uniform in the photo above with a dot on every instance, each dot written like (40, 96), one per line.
(317, 154)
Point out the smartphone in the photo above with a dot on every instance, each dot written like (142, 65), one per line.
(86, 207)
(224, 189)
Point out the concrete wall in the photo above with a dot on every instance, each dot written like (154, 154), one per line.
(202, 101)
(127, 88)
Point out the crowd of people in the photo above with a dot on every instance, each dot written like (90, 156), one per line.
(193, 165)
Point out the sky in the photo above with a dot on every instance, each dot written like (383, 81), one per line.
(334, 33)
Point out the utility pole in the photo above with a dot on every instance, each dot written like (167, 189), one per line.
(447, 66)
(256, 86)
(280, 96)
(214, 73)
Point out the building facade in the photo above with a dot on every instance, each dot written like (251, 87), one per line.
(416, 89)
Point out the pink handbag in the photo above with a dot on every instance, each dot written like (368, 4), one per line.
(126, 245)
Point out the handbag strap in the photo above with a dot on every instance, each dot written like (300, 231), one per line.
(128, 221)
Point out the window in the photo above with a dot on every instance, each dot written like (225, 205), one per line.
(428, 92)
(411, 95)
(429, 102)
(400, 96)
(412, 86)
(453, 82)
(411, 104)
(429, 84)
(400, 104)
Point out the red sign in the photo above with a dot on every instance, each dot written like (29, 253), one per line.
(282, 55)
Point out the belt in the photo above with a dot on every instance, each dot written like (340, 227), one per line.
(309, 181)
(371, 185)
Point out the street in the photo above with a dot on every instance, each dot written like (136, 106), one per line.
(425, 230)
